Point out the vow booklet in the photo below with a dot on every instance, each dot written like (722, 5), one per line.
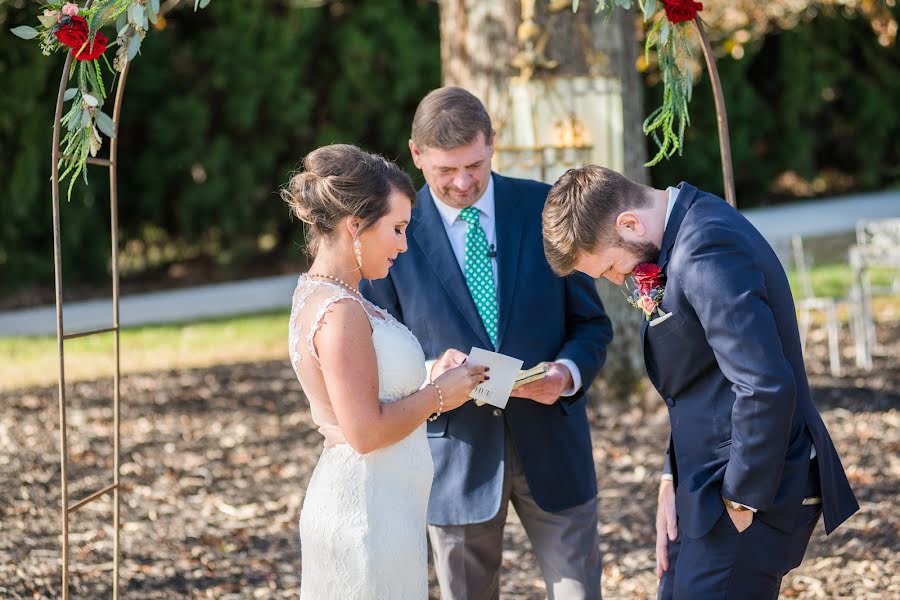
(503, 374)
(535, 373)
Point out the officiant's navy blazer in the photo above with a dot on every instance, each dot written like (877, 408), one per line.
(541, 318)
(729, 365)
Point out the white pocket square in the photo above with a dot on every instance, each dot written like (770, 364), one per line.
(660, 319)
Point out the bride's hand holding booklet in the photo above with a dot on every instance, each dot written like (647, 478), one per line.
(506, 375)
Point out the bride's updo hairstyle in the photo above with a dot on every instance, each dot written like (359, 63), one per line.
(341, 181)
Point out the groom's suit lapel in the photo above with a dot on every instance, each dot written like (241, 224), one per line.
(683, 203)
(509, 222)
(429, 233)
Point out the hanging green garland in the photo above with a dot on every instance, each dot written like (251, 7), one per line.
(66, 27)
(668, 35)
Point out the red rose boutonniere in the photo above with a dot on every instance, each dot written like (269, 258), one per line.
(648, 288)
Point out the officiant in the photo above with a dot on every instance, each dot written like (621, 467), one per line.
(475, 276)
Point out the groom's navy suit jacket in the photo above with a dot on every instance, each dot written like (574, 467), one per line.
(729, 365)
(541, 318)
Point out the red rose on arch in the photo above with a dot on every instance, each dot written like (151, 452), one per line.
(74, 34)
(647, 276)
(678, 11)
(90, 52)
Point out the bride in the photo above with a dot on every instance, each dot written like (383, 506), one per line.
(362, 525)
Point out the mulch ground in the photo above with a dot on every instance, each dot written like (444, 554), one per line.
(215, 462)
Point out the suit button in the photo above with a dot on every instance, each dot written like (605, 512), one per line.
(496, 412)
(670, 402)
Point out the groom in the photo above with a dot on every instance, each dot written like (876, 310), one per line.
(750, 466)
(475, 275)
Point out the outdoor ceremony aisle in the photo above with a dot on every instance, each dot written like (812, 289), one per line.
(215, 462)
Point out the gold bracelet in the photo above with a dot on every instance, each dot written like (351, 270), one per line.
(440, 395)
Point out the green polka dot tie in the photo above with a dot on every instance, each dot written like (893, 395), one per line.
(479, 273)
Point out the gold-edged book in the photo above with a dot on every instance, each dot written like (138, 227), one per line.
(529, 375)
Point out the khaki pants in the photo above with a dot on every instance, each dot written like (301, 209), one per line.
(567, 545)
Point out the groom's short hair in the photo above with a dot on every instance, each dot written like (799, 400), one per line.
(450, 117)
(581, 210)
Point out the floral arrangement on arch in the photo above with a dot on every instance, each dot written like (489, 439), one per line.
(668, 34)
(68, 27)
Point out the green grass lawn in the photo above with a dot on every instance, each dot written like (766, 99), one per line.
(836, 280)
(26, 361)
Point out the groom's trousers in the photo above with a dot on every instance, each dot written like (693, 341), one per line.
(467, 558)
(727, 565)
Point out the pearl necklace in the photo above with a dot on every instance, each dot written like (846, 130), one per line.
(340, 282)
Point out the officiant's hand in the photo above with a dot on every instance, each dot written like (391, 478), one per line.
(548, 389)
(666, 525)
(450, 359)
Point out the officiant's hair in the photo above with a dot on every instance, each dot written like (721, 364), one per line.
(339, 181)
(581, 210)
(450, 117)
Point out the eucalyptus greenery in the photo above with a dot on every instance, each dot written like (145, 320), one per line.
(84, 121)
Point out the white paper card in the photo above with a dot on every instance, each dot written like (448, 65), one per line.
(503, 373)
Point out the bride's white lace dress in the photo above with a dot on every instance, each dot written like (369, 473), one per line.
(362, 525)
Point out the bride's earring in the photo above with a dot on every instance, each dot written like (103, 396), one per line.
(357, 249)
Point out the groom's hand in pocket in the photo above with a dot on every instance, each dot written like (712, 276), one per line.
(666, 525)
(742, 519)
(550, 388)
(450, 359)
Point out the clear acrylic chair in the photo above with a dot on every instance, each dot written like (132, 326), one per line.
(810, 303)
(877, 245)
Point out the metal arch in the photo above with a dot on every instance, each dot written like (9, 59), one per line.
(61, 336)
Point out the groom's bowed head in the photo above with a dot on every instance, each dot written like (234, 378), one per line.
(601, 223)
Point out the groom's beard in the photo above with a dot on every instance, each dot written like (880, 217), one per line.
(644, 252)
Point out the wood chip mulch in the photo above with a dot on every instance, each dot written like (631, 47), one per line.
(215, 462)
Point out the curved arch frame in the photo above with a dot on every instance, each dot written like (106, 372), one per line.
(65, 507)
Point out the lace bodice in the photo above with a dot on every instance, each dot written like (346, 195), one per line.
(401, 362)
